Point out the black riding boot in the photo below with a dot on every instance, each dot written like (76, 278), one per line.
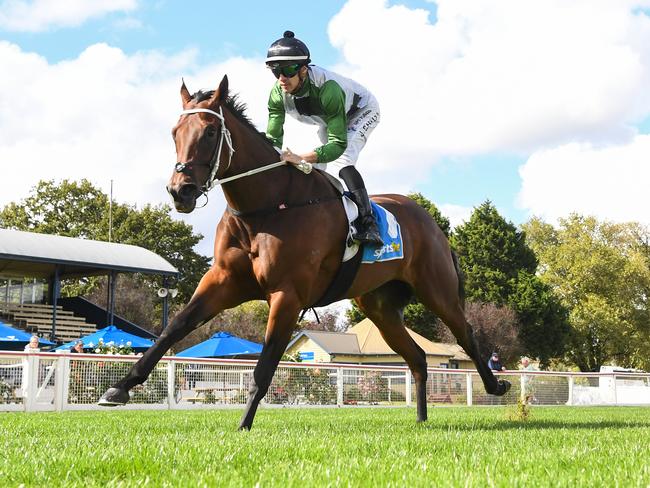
(366, 226)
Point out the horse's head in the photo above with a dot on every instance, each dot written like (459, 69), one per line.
(200, 136)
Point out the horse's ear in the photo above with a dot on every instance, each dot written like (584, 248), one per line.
(221, 93)
(185, 94)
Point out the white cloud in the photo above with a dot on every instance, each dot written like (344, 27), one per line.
(456, 214)
(40, 15)
(493, 76)
(609, 182)
(515, 76)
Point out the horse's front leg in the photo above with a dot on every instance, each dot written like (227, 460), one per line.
(215, 293)
(283, 316)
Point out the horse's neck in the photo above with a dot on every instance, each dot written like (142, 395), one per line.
(262, 190)
(251, 151)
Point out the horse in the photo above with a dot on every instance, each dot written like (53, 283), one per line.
(281, 239)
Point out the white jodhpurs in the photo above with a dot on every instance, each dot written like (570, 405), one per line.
(360, 125)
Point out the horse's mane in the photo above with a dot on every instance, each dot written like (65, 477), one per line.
(236, 107)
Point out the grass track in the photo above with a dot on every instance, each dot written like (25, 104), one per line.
(328, 447)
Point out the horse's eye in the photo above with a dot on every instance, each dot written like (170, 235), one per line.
(211, 130)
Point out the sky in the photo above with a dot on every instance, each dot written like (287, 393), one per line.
(542, 107)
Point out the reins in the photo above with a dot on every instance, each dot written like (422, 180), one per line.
(215, 162)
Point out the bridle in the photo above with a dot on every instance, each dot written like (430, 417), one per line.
(215, 161)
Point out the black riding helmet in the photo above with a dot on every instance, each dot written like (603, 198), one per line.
(287, 50)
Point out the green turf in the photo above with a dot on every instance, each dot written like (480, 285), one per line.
(328, 447)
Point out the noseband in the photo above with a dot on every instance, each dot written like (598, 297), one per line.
(215, 162)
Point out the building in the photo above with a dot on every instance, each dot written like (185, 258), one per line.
(35, 305)
(363, 344)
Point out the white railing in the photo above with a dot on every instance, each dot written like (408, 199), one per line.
(50, 381)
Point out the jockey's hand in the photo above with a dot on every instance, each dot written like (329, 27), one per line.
(296, 160)
(290, 157)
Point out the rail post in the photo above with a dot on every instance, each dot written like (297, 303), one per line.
(339, 387)
(30, 381)
(171, 384)
(409, 389)
(470, 400)
(61, 381)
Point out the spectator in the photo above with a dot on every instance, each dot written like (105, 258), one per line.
(495, 364)
(33, 344)
(527, 387)
(525, 364)
(78, 347)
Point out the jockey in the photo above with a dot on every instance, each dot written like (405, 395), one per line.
(345, 112)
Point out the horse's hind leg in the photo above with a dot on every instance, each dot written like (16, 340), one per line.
(213, 294)
(385, 307)
(439, 290)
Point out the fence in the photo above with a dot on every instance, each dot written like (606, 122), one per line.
(50, 381)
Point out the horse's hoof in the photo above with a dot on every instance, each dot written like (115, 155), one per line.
(503, 387)
(114, 397)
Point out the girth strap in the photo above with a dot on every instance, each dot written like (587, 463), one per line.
(341, 283)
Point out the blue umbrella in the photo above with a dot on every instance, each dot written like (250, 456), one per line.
(110, 334)
(222, 344)
(16, 338)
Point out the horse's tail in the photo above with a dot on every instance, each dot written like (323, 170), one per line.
(461, 279)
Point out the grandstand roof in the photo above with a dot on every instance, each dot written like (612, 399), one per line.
(28, 254)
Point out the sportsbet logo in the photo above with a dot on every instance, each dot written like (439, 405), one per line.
(387, 248)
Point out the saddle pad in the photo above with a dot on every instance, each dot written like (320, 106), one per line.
(391, 234)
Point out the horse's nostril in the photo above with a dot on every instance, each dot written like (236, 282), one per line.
(187, 191)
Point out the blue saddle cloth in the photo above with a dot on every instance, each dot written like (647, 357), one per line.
(391, 234)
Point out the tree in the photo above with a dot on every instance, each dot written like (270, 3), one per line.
(492, 253)
(328, 320)
(78, 209)
(499, 268)
(496, 328)
(430, 207)
(133, 301)
(68, 209)
(601, 272)
(543, 319)
(248, 321)
(153, 228)
(354, 315)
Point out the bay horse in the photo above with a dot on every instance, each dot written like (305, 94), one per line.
(281, 239)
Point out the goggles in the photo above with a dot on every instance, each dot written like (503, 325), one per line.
(287, 71)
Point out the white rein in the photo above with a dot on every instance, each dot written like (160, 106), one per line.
(216, 162)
